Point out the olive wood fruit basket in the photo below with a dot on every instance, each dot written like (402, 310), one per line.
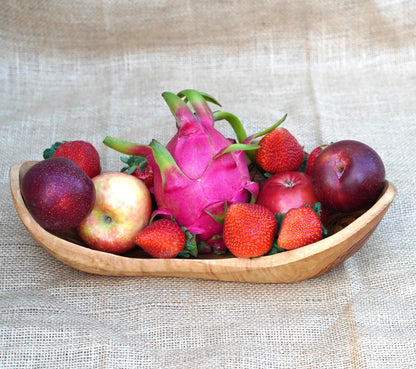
(348, 233)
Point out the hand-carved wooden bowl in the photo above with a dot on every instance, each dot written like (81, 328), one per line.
(349, 232)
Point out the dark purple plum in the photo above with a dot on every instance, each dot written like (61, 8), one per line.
(58, 193)
(347, 176)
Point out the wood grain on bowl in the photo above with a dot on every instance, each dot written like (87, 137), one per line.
(350, 233)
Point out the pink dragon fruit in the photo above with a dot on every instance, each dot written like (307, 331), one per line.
(199, 172)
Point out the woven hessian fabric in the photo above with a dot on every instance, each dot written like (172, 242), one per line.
(87, 69)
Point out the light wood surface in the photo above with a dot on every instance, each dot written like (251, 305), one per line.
(289, 266)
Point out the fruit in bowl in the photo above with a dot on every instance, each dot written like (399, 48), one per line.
(347, 176)
(348, 233)
(122, 208)
(82, 153)
(58, 193)
(286, 190)
(199, 171)
(195, 184)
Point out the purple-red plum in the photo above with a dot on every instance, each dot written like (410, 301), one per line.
(58, 193)
(348, 176)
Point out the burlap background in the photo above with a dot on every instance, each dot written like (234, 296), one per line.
(87, 69)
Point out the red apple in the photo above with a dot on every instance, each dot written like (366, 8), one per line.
(58, 193)
(347, 176)
(286, 190)
(122, 208)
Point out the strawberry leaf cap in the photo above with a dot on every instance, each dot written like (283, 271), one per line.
(190, 248)
(133, 162)
(317, 208)
(48, 153)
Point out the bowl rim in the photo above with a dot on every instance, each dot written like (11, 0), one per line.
(84, 258)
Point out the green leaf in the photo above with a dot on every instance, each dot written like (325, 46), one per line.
(317, 208)
(133, 162)
(303, 166)
(190, 248)
(48, 153)
(275, 247)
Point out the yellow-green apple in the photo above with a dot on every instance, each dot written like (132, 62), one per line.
(122, 208)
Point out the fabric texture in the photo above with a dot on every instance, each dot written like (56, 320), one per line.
(87, 69)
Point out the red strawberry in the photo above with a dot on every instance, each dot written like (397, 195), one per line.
(140, 168)
(162, 239)
(80, 152)
(313, 155)
(280, 151)
(300, 227)
(249, 230)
